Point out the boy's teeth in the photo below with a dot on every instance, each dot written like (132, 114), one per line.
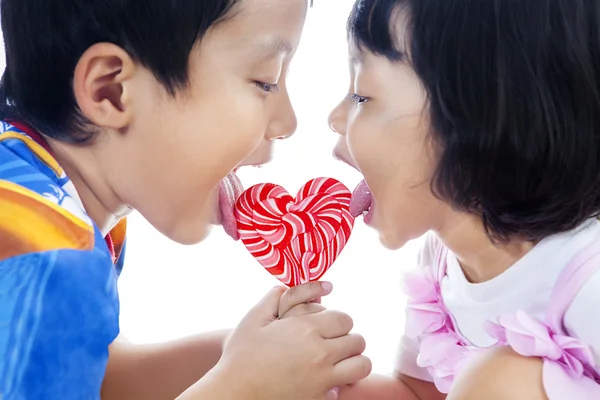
(364, 214)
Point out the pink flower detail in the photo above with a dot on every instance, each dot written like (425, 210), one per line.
(424, 314)
(531, 337)
(440, 353)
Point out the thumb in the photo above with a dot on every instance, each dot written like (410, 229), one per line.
(305, 293)
(266, 310)
(333, 394)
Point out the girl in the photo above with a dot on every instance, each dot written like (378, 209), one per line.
(480, 121)
(116, 105)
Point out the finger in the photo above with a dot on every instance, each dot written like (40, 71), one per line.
(303, 294)
(266, 310)
(346, 347)
(332, 324)
(352, 370)
(304, 309)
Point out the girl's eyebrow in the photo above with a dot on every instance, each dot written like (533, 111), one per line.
(275, 47)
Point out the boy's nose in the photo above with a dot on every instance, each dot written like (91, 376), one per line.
(337, 120)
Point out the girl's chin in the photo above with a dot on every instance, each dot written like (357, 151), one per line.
(390, 237)
(390, 243)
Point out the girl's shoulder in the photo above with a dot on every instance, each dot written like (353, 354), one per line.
(582, 318)
(430, 250)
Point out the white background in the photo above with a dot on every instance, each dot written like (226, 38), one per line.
(169, 291)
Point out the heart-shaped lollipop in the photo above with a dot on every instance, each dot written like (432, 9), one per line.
(296, 240)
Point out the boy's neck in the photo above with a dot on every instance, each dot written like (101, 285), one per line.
(479, 258)
(82, 165)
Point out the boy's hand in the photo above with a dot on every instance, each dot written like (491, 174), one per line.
(303, 299)
(298, 358)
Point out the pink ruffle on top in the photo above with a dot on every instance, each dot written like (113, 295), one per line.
(569, 371)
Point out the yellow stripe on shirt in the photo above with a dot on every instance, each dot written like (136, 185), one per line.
(30, 223)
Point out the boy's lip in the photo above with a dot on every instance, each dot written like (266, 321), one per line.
(263, 155)
(230, 189)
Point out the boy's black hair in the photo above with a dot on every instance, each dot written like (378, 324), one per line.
(513, 100)
(44, 40)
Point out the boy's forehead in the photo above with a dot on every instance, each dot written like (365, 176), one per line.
(267, 27)
(263, 47)
(271, 12)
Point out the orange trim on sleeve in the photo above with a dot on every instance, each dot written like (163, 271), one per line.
(117, 235)
(30, 223)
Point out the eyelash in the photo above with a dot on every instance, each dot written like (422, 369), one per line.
(358, 100)
(267, 87)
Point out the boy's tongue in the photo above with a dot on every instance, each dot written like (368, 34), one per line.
(230, 190)
(361, 199)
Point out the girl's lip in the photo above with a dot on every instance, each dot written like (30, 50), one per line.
(338, 155)
(368, 218)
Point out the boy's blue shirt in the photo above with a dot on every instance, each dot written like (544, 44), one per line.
(59, 308)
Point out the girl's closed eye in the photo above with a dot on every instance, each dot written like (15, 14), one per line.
(358, 99)
(267, 87)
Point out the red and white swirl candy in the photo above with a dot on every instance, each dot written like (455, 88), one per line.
(296, 240)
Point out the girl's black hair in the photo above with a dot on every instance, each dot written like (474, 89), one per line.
(513, 100)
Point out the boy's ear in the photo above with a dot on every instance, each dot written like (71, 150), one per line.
(100, 85)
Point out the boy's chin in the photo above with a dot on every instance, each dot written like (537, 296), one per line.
(189, 234)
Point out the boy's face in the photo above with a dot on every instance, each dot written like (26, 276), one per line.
(176, 151)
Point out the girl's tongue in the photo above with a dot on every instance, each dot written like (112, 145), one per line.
(361, 199)
(230, 190)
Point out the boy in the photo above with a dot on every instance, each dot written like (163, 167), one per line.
(116, 105)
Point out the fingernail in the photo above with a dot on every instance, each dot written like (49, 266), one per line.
(327, 287)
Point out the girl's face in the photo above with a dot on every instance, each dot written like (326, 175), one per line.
(179, 153)
(383, 129)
